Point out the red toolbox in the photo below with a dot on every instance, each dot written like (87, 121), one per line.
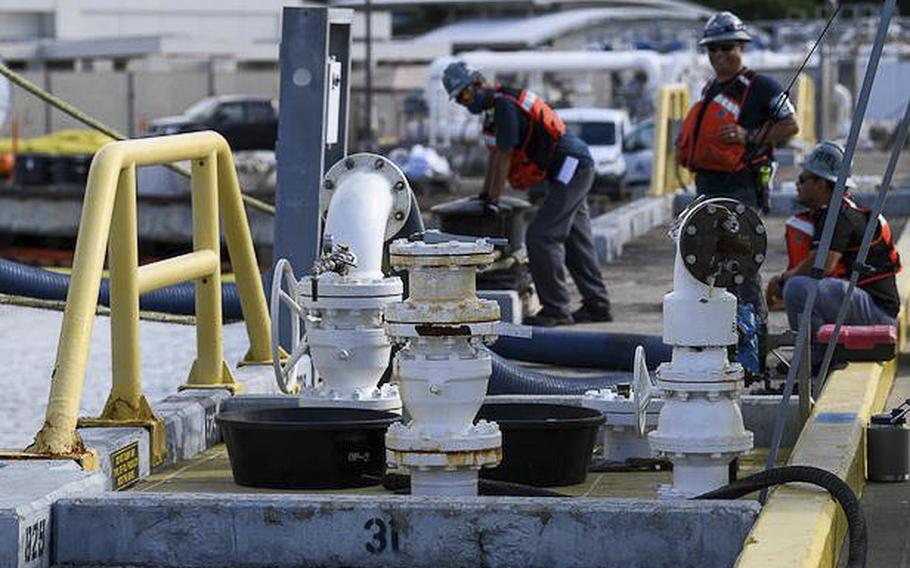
(860, 342)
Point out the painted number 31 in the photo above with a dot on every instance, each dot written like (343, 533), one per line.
(383, 535)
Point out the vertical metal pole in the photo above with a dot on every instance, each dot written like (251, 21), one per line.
(301, 132)
(207, 369)
(340, 48)
(308, 37)
(824, 246)
(48, 111)
(369, 74)
(123, 265)
(131, 104)
(805, 377)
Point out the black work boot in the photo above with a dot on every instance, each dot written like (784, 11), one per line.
(548, 319)
(590, 314)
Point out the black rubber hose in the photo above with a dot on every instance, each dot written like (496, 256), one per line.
(508, 378)
(839, 490)
(33, 282)
(590, 349)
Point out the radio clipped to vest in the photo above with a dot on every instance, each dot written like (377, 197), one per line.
(531, 160)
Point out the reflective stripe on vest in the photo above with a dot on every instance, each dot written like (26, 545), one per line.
(532, 158)
(699, 146)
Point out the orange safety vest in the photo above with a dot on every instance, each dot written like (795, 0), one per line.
(882, 256)
(698, 146)
(531, 160)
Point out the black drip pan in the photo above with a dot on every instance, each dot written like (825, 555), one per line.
(306, 448)
(544, 445)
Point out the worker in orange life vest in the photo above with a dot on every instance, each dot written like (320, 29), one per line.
(875, 299)
(727, 138)
(729, 133)
(529, 145)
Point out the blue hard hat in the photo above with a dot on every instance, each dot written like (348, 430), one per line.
(457, 76)
(724, 26)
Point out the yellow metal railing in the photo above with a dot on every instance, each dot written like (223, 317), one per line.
(672, 105)
(109, 220)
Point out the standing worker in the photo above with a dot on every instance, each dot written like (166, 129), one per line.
(727, 140)
(528, 145)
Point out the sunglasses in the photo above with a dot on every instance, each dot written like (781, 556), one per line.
(725, 47)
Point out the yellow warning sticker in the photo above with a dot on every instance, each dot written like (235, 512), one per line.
(125, 466)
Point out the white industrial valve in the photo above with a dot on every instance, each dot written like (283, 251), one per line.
(442, 367)
(720, 242)
(341, 301)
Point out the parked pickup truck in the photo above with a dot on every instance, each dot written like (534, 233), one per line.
(246, 122)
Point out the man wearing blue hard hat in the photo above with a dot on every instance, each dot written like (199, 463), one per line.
(875, 299)
(529, 145)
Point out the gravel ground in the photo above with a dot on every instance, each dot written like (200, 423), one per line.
(28, 345)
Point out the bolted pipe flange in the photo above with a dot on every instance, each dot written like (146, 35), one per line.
(722, 241)
(377, 165)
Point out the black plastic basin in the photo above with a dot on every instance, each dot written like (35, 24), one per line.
(545, 445)
(306, 448)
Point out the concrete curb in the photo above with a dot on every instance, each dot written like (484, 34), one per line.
(802, 526)
(373, 531)
(614, 229)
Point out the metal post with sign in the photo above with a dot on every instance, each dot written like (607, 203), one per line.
(315, 62)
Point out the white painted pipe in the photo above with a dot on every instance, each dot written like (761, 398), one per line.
(357, 217)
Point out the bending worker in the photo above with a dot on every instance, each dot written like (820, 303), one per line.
(875, 299)
(529, 145)
(727, 140)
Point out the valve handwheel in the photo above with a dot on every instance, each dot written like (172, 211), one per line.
(284, 293)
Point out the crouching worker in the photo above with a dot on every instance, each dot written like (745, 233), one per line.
(875, 299)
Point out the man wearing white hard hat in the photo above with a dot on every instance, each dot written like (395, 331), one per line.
(875, 300)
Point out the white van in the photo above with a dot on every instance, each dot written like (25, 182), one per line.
(602, 129)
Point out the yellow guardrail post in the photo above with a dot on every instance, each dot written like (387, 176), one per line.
(209, 368)
(109, 216)
(805, 110)
(672, 105)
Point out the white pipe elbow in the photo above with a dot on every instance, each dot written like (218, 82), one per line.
(357, 217)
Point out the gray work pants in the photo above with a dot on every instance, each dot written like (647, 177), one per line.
(559, 237)
(831, 292)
